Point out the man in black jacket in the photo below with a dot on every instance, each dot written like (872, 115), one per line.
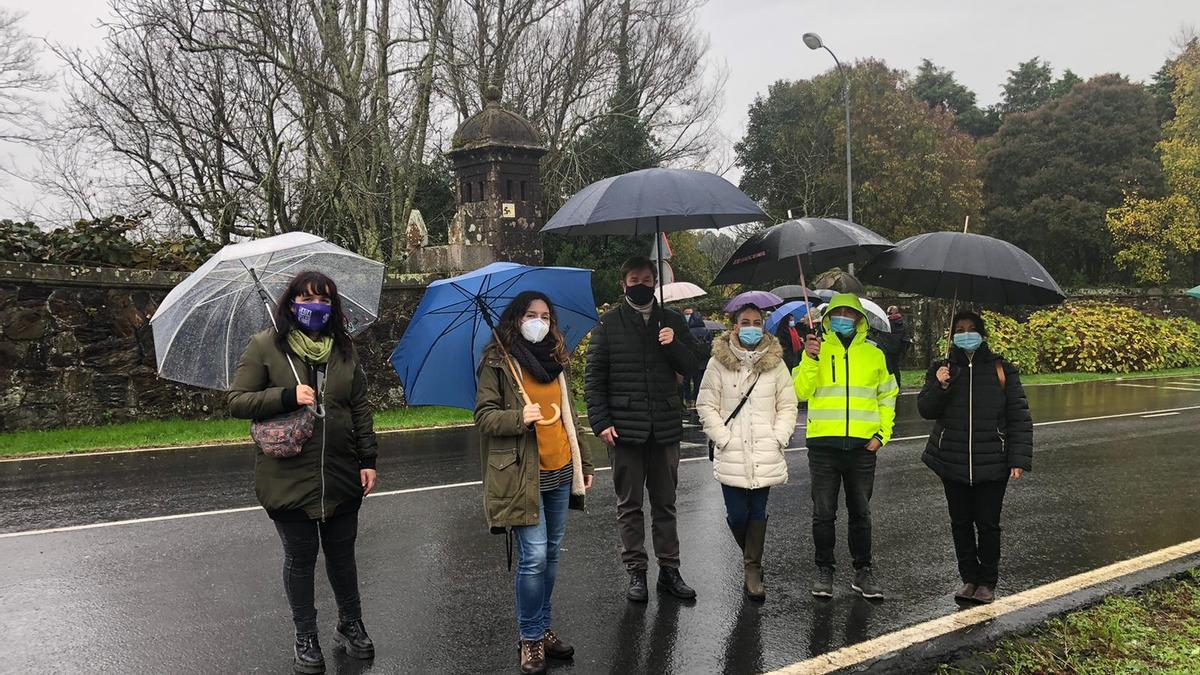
(634, 359)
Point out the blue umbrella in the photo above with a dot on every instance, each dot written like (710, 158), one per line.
(439, 355)
(798, 309)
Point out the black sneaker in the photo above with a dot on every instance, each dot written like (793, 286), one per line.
(309, 658)
(864, 582)
(637, 591)
(671, 581)
(823, 586)
(352, 636)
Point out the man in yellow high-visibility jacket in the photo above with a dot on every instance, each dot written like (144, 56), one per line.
(851, 409)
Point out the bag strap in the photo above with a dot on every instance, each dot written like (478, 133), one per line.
(742, 403)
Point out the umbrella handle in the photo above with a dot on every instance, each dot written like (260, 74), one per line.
(525, 396)
(552, 420)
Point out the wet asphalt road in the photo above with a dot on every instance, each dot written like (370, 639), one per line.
(203, 594)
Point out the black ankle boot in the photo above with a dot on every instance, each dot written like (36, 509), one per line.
(309, 658)
(352, 636)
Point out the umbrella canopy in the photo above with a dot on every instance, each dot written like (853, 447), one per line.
(814, 244)
(681, 290)
(792, 292)
(838, 280)
(1194, 292)
(203, 325)
(797, 309)
(760, 299)
(824, 294)
(969, 267)
(439, 354)
(654, 200)
(714, 325)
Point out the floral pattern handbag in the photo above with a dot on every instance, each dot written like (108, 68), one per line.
(284, 436)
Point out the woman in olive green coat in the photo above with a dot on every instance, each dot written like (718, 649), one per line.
(313, 497)
(535, 465)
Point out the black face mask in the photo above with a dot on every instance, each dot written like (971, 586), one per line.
(639, 294)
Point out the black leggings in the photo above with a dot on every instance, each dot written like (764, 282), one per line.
(301, 540)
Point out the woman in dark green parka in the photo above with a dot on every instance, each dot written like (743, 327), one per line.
(313, 497)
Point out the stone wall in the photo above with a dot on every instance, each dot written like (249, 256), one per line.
(76, 347)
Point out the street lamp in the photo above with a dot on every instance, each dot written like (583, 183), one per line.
(813, 41)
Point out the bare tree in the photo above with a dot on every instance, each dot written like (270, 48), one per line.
(20, 80)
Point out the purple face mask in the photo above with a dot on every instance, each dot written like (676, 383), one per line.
(312, 315)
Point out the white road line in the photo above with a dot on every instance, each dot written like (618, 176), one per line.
(1156, 386)
(1146, 417)
(449, 486)
(891, 643)
(1188, 383)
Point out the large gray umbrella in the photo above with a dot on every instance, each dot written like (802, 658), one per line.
(652, 201)
(204, 323)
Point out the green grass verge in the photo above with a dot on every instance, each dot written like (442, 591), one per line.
(1157, 631)
(916, 378)
(158, 433)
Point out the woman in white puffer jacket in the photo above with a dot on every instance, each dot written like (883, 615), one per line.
(748, 450)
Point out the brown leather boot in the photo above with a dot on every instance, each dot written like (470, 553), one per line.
(556, 647)
(967, 593)
(533, 657)
(985, 594)
(756, 537)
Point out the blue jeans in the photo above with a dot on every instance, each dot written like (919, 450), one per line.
(743, 505)
(537, 566)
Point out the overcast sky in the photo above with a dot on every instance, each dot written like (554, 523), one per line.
(758, 41)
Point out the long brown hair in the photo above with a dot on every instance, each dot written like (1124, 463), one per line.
(313, 283)
(510, 325)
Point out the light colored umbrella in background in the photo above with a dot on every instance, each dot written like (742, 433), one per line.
(681, 290)
(204, 323)
(876, 317)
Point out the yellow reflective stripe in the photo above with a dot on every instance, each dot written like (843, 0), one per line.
(840, 392)
(840, 414)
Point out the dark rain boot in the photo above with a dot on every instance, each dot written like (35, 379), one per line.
(352, 636)
(756, 538)
(309, 658)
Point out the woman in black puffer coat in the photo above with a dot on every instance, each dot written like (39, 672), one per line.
(982, 438)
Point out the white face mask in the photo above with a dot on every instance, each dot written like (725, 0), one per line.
(535, 330)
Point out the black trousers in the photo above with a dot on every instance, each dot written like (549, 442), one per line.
(301, 541)
(975, 524)
(833, 468)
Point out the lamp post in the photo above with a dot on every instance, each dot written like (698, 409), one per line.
(813, 41)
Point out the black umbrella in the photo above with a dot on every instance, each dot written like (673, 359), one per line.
(961, 266)
(792, 292)
(815, 244)
(651, 201)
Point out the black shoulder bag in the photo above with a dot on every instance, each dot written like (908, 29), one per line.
(712, 448)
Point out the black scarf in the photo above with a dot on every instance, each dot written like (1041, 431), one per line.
(537, 359)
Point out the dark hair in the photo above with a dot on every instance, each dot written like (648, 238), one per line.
(736, 315)
(316, 283)
(636, 264)
(509, 326)
(974, 318)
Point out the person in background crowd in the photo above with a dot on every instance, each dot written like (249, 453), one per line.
(690, 388)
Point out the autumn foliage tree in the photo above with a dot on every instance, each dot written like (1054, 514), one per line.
(1159, 239)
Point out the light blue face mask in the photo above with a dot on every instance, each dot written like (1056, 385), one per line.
(968, 341)
(844, 326)
(750, 335)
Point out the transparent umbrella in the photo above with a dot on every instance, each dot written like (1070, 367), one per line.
(204, 323)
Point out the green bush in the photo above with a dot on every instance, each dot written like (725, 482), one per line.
(103, 242)
(1095, 338)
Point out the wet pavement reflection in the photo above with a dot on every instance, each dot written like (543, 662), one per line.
(203, 594)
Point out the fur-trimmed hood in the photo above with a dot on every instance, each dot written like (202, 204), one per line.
(770, 351)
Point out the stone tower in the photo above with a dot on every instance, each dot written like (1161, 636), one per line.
(496, 156)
